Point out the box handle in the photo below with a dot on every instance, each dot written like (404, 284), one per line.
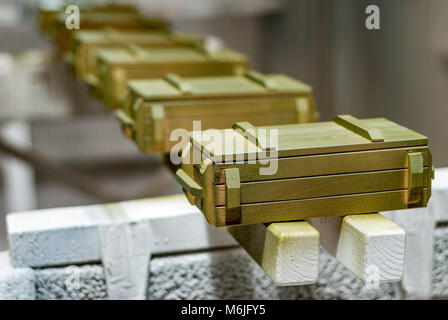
(124, 118)
(191, 186)
(248, 131)
(69, 58)
(415, 172)
(127, 123)
(262, 80)
(179, 83)
(137, 51)
(358, 127)
(91, 81)
(233, 196)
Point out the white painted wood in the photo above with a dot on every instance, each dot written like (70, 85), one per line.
(369, 245)
(419, 227)
(287, 251)
(24, 98)
(438, 203)
(18, 176)
(62, 236)
(125, 250)
(4, 259)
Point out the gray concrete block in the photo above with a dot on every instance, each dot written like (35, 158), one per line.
(222, 274)
(71, 235)
(218, 274)
(78, 283)
(40, 247)
(17, 284)
(440, 263)
(232, 274)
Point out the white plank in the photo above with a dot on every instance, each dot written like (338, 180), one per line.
(18, 176)
(438, 203)
(419, 226)
(287, 251)
(369, 245)
(126, 252)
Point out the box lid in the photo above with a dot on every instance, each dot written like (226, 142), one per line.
(135, 54)
(110, 35)
(115, 18)
(343, 134)
(252, 83)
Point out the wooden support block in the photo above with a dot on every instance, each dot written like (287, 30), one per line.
(369, 245)
(287, 251)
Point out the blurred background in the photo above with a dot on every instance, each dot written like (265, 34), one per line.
(70, 151)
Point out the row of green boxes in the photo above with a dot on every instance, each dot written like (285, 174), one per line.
(160, 81)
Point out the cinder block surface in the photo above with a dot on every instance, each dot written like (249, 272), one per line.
(223, 274)
(440, 263)
(64, 236)
(78, 283)
(231, 274)
(219, 274)
(74, 237)
(17, 284)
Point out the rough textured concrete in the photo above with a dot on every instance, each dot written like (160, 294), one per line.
(16, 283)
(231, 274)
(221, 274)
(79, 283)
(440, 263)
(35, 241)
(71, 235)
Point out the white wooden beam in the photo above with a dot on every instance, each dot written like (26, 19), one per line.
(419, 226)
(18, 176)
(122, 235)
(125, 249)
(369, 245)
(438, 203)
(287, 251)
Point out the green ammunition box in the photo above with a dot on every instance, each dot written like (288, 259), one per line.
(99, 20)
(48, 15)
(153, 108)
(86, 43)
(116, 66)
(249, 175)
